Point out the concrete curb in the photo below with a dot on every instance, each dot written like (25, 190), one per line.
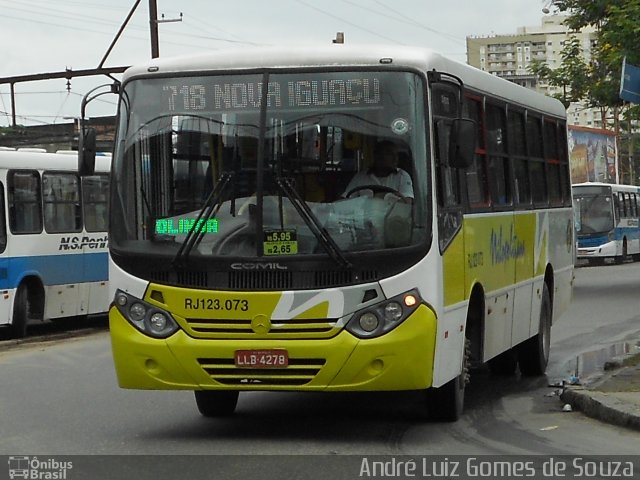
(603, 406)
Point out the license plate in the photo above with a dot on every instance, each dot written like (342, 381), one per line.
(274, 358)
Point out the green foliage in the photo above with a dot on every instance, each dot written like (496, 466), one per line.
(618, 30)
(572, 76)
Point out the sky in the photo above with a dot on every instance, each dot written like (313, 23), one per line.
(41, 36)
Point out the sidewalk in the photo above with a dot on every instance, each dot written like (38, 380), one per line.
(614, 396)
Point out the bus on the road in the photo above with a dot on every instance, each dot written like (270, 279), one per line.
(53, 238)
(607, 218)
(240, 261)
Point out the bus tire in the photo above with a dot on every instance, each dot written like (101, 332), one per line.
(624, 257)
(446, 403)
(533, 354)
(219, 403)
(20, 317)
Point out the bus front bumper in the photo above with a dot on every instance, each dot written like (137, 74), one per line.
(608, 249)
(400, 360)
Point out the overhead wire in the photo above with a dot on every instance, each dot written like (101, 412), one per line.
(343, 20)
(411, 21)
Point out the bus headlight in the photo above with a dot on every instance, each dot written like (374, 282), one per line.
(368, 321)
(137, 312)
(393, 311)
(383, 317)
(147, 318)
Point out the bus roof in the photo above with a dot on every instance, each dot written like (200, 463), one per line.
(17, 159)
(339, 55)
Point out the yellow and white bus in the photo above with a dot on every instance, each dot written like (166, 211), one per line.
(239, 263)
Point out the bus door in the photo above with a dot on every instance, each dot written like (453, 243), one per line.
(94, 296)
(62, 267)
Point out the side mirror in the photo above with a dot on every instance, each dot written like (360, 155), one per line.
(462, 145)
(87, 152)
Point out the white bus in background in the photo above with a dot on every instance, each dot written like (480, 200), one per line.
(607, 219)
(53, 239)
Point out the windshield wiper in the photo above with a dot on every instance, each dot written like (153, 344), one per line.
(210, 208)
(327, 242)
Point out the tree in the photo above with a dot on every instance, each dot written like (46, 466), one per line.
(572, 76)
(617, 25)
(618, 28)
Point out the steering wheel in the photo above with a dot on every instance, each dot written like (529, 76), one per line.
(378, 189)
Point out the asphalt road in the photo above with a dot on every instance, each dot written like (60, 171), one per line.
(59, 397)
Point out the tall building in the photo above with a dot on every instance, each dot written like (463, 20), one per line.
(509, 56)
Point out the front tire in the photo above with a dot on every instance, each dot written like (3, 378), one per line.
(625, 253)
(533, 354)
(446, 403)
(219, 403)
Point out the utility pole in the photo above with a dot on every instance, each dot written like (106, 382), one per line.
(153, 25)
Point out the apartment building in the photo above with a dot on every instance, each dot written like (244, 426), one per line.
(510, 56)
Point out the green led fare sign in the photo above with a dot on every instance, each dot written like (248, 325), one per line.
(182, 226)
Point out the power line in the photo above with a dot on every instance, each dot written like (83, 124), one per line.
(411, 21)
(349, 23)
(68, 16)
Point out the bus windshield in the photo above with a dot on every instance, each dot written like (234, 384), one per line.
(593, 212)
(265, 165)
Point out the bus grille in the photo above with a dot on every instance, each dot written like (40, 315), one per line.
(299, 372)
(263, 280)
(279, 329)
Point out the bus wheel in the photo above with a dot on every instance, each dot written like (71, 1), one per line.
(20, 317)
(216, 403)
(446, 403)
(533, 355)
(623, 258)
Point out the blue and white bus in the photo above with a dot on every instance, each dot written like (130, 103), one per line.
(53, 238)
(607, 219)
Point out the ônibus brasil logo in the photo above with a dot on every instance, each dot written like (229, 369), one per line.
(38, 469)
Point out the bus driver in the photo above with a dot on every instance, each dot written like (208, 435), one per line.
(384, 173)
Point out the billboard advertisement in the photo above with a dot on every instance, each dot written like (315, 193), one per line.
(593, 155)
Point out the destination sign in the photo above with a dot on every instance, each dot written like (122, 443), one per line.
(223, 94)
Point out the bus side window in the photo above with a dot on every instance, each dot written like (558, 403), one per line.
(477, 176)
(518, 151)
(552, 159)
(623, 205)
(444, 111)
(61, 193)
(25, 201)
(537, 169)
(499, 170)
(95, 202)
